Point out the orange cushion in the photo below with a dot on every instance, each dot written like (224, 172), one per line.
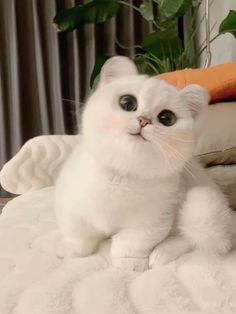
(219, 80)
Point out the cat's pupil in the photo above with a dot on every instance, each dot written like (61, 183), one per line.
(128, 103)
(167, 117)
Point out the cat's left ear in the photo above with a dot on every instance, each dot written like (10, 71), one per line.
(197, 98)
(116, 67)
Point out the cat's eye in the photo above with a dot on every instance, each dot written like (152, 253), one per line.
(167, 117)
(128, 103)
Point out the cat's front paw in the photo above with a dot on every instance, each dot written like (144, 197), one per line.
(169, 250)
(131, 263)
(161, 256)
(68, 248)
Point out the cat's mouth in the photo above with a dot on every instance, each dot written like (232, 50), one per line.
(138, 136)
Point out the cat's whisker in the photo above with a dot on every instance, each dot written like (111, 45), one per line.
(180, 156)
(164, 153)
(185, 167)
(177, 138)
(174, 157)
(73, 101)
(172, 166)
(177, 154)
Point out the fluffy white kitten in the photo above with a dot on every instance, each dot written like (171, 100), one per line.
(132, 178)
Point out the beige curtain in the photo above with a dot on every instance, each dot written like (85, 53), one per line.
(44, 76)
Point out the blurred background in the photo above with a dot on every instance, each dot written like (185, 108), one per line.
(45, 75)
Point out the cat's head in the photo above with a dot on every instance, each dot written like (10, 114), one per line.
(139, 125)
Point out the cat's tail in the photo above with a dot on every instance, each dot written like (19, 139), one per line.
(205, 220)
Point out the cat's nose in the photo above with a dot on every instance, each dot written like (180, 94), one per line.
(144, 121)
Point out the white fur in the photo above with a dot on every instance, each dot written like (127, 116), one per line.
(121, 186)
(205, 219)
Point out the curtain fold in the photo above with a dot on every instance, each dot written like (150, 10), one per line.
(45, 75)
(10, 100)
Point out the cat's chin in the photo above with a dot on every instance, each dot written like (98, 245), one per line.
(133, 155)
(138, 165)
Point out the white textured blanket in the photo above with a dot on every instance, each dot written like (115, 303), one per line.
(33, 280)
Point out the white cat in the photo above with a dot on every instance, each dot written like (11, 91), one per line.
(132, 177)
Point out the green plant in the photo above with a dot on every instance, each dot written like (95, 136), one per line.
(162, 50)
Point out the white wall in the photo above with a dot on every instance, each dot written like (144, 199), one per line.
(224, 47)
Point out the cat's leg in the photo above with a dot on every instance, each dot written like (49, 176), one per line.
(78, 239)
(205, 220)
(131, 248)
(203, 223)
(169, 250)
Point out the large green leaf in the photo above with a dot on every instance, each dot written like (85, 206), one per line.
(228, 25)
(96, 11)
(164, 44)
(168, 24)
(174, 8)
(68, 20)
(146, 11)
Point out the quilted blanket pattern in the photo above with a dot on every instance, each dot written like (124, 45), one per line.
(37, 163)
(33, 280)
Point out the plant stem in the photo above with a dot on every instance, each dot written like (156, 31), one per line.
(203, 43)
(129, 5)
(156, 24)
(214, 38)
(137, 10)
(194, 32)
(126, 47)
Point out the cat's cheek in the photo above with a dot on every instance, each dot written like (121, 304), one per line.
(110, 124)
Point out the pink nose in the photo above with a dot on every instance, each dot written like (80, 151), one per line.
(144, 121)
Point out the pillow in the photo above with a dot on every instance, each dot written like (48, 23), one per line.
(219, 80)
(217, 135)
(226, 157)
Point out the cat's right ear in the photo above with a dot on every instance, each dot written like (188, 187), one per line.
(116, 67)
